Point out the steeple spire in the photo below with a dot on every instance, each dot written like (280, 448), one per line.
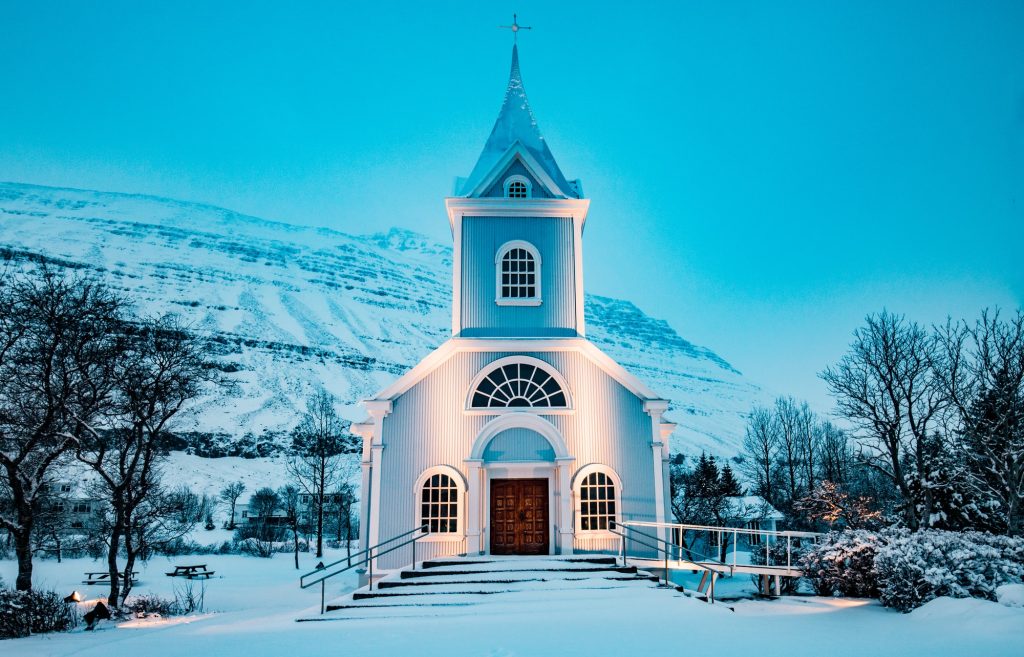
(516, 125)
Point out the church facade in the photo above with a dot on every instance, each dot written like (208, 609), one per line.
(517, 435)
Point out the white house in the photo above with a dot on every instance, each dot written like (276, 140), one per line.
(517, 435)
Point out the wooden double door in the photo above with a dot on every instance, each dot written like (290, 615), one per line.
(519, 516)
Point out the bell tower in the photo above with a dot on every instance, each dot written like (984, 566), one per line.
(517, 224)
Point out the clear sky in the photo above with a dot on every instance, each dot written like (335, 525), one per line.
(762, 174)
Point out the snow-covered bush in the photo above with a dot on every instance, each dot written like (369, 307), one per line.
(843, 564)
(915, 567)
(151, 605)
(34, 612)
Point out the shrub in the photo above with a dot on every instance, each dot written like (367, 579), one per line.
(914, 568)
(145, 605)
(843, 564)
(34, 612)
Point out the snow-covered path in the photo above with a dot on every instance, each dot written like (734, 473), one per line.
(256, 603)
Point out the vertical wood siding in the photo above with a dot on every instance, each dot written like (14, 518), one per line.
(428, 427)
(553, 238)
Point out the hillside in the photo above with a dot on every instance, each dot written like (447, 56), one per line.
(288, 308)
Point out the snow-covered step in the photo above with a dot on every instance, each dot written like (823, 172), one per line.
(490, 588)
(510, 576)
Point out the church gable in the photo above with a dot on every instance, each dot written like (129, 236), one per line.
(516, 171)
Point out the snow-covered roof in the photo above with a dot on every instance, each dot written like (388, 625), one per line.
(516, 126)
(752, 507)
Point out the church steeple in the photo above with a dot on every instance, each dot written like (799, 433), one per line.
(516, 129)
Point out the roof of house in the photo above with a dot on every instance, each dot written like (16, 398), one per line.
(752, 507)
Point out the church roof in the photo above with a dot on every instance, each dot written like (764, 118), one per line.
(516, 127)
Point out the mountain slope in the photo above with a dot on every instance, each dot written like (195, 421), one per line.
(290, 308)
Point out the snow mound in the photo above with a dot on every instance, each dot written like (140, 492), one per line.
(1010, 595)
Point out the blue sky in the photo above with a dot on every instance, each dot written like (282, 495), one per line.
(762, 174)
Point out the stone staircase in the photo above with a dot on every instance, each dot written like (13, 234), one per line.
(472, 581)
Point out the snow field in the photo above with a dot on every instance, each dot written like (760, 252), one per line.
(252, 605)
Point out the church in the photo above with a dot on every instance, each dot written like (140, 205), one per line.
(517, 436)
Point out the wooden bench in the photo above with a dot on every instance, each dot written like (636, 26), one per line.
(191, 572)
(103, 576)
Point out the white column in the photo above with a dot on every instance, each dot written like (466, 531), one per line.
(655, 408)
(474, 507)
(565, 525)
(378, 410)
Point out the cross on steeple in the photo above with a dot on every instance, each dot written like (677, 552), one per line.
(515, 27)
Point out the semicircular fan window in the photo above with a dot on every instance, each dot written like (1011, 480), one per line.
(519, 385)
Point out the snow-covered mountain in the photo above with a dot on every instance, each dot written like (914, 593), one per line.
(289, 308)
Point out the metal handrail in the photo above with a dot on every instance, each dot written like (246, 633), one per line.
(690, 551)
(323, 569)
(624, 538)
(369, 555)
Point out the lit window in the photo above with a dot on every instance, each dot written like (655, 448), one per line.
(518, 385)
(518, 274)
(597, 502)
(439, 505)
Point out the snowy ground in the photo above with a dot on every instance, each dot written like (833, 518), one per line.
(252, 605)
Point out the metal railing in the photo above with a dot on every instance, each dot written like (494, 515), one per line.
(364, 557)
(629, 535)
(765, 536)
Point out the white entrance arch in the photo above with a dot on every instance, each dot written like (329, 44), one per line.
(557, 473)
(519, 420)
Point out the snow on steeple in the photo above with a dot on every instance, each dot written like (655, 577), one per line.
(516, 123)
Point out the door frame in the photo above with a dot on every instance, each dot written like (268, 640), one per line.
(541, 470)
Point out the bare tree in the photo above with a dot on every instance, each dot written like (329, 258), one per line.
(229, 495)
(760, 451)
(55, 333)
(984, 378)
(886, 385)
(160, 369)
(318, 444)
(289, 503)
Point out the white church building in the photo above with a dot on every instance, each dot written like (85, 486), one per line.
(517, 435)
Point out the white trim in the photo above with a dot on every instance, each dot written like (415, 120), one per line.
(520, 421)
(577, 482)
(460, 484)
(514, 178)
(439, 356)
(577, 254)
(511, 360)
(457, 277)
(499, 255)
(574, 208)
(533, 167)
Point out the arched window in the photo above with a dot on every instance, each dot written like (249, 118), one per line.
(518, 274)
(598, 494)
(519, 383)
(518, 187)
(439, 503)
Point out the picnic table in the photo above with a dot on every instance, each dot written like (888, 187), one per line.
(101, 576)
(191, 572)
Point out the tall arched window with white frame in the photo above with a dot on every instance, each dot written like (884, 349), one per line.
(439, 499)
(598, 493)
(517, 274)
